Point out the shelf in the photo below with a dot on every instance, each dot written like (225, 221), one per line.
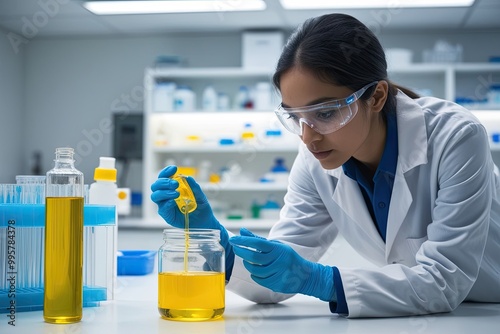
(477, 67)
(238, 72)
(494, 147)
(215, 72)
(225, 149)
(158, 223)
(198, 112)
(245, 186)
(421, 68)
(482, 107)
(441, 68)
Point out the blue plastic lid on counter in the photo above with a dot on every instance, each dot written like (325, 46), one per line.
(135, 262)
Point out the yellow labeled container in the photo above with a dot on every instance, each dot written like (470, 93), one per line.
(186, 202)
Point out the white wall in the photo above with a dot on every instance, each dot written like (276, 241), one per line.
(11, 110)
(73, 84)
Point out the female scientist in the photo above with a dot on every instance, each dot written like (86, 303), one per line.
(409, 182)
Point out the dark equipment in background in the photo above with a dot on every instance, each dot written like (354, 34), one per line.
(37, 168)
(128, 137)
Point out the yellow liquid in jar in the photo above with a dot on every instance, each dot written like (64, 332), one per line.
(63, 274)
(191, 296)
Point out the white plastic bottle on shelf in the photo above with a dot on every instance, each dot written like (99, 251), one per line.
(223, 101)
(209, 99)
(163, 97)
(184, 99)
(104, 189)
(203, 174)
(263, 96)
(242, 99)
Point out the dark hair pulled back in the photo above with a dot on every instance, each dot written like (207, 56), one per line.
(340, 50)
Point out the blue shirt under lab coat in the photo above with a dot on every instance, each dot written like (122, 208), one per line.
(377, 194)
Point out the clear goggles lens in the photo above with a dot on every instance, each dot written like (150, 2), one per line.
(324, 118)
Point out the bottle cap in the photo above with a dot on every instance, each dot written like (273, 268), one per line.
(279, 166)
(64, 153)
(106, 170)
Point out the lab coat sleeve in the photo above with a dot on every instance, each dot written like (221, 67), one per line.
(304, 224)
(448, 262)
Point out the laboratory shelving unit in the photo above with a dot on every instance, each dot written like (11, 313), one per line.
(247, 162)
(449, 80)
(443, 80)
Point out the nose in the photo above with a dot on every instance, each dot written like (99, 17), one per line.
(308, 133)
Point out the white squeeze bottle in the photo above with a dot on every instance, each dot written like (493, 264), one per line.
(209, 99)
(104, 191)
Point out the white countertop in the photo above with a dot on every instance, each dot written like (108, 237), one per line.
(134, 310)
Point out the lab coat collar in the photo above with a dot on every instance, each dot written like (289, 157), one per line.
(412, 133)
(412, 140)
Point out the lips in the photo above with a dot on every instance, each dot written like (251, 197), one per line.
(321, 154)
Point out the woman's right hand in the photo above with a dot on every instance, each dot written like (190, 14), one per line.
(164, 194)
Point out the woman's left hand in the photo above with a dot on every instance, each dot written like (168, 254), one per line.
(278, 267)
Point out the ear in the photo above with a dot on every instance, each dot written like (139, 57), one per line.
(377, 101)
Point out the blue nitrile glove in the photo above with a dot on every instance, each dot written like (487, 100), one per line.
(164, 195)
(278, 267)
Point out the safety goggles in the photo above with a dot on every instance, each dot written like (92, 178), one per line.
(325, 117)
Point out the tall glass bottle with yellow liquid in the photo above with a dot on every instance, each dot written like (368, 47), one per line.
(63, 276)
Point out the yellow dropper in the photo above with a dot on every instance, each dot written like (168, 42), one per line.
(186, 202)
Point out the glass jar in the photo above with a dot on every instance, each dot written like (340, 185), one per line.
(191, 275)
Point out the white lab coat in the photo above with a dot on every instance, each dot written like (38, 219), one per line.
(443, 229)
